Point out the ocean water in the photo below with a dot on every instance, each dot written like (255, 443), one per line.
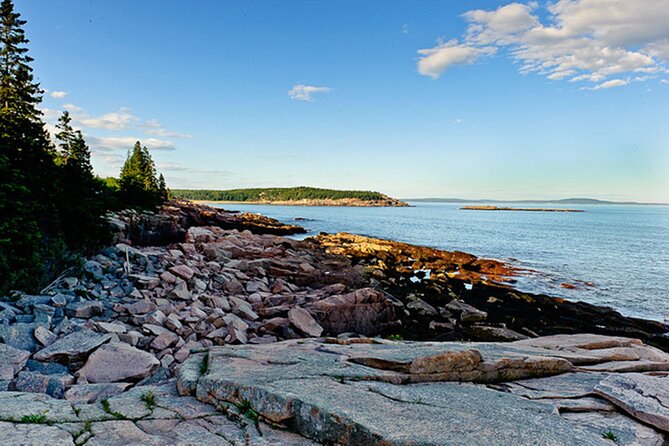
(616, 255)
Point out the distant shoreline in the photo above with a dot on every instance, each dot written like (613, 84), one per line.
(572, 201)
(498, 208)
(322, 202)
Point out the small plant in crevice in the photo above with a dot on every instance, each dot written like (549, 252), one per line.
(149, 399)
(609, 435)
(247, 410)
(107, 408)
(395, 337)
(34, 418)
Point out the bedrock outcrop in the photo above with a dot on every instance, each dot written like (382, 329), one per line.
(375, 392)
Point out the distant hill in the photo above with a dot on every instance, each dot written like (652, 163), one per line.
(562, 201)
(308, 196)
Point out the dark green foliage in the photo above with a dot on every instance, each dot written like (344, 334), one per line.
(34, 418)
(83, 206)
(52, 207)
(277, 194)
(30, 242)
(138, 184)
(149, 399)
(609, 435)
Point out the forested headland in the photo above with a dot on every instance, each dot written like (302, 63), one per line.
(293, 195)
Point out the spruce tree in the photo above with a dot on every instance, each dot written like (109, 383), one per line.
(139, 186)
(29, 236)
(82, 208)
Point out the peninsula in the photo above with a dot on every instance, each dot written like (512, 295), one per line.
(504, 208)
(295, 196)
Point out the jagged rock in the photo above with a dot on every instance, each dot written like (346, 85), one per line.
(492, 334)
(242, 308)
(164, 340)
(467, 312)
(13, 358)
(644, 397)
(72, 347)
(111, 327)
(44, 336)
(86, 309)
(182, 271)
(46, 368)
(627, 432)
(94, 270)
(118, 362)
(181, 292)
(303, 321)
(422, 308)
(19, 335)
(53, 385)
(365, 311)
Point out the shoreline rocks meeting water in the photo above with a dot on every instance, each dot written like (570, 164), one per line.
(219, 304)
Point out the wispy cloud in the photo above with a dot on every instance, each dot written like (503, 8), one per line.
(596, 41)
(305, 93)
(71, 107)
(58, 94)
(118, 120)
(153, 127)
(127, 142)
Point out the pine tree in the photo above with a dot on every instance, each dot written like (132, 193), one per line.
(139, 186)
(29, 235)
(81, 206)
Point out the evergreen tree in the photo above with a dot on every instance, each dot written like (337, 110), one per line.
(162, 187)
(139, 186)
(29, 236)
(81, 207)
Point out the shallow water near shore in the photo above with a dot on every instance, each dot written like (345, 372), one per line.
(615, 255)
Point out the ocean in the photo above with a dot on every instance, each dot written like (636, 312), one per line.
(615, 255)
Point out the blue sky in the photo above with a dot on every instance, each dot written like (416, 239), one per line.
(476, 99)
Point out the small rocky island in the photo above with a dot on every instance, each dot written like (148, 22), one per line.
(504, 208)
(293, 196)
(203, 326)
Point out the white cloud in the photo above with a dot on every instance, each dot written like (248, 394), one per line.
(405, 29)
(153, 127)
(578, 40)
(71, 107)
(119, 120)
(305, 92)
(611, 84)
(58, 94)
(435, 61)
(665, 81)
(127, 142)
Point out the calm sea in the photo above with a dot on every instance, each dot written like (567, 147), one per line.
(617, 255)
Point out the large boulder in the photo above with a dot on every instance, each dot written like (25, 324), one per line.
(72, 347)
(365, 311)
(118, 362)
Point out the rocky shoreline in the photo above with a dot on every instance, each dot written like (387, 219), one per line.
(191, 283)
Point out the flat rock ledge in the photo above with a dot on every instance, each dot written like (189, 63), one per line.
(375, 392)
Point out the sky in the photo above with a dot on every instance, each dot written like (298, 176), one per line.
(471, 98)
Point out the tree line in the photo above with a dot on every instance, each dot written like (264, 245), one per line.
(277, 194)
(52, 206)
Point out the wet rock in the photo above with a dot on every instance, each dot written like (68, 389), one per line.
(467, 312)
(422, 308)
(72, 347)
(118, 362)
(303, 321)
